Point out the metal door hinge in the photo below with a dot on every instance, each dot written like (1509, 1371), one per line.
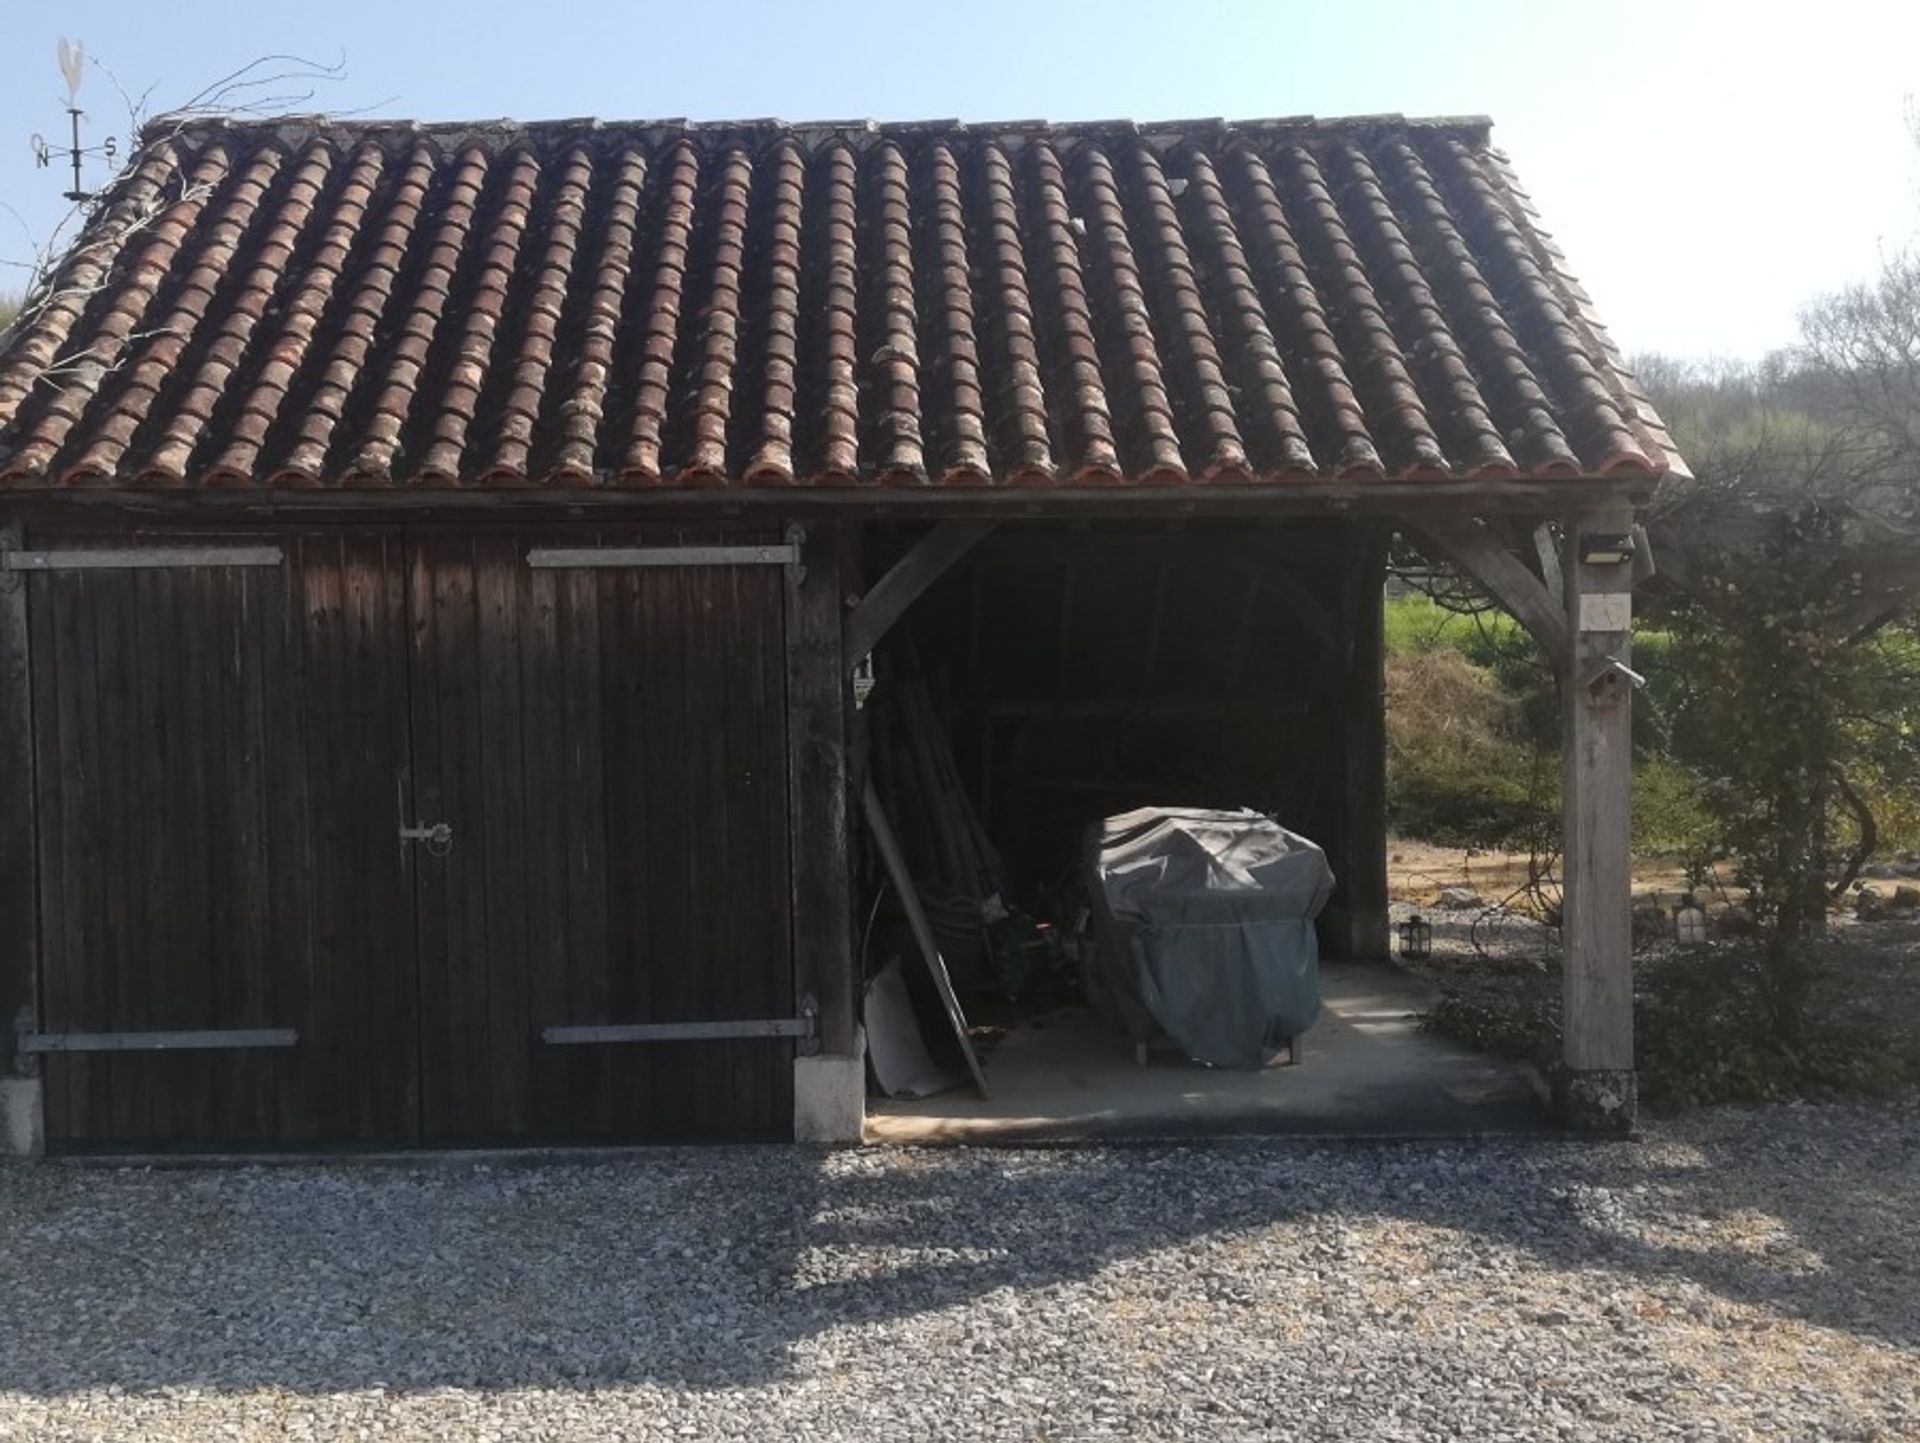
(796, 543)
(739, 1029)
(233, 1038)
(553, 558)
(142, 558)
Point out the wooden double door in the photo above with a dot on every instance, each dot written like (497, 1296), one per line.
(385, 812)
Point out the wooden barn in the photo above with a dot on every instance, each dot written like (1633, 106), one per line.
(436, 561)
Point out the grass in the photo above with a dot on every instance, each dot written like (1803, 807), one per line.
(1415, 623)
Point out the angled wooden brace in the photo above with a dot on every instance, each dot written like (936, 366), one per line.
(1481, 554)
(932, 556)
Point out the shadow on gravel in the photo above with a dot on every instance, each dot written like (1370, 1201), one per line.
(708, 1269)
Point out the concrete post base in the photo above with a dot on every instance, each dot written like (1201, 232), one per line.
(1601, 1102)
(830, 1096)
(22, 1125)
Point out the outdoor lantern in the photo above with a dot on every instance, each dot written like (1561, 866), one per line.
(1416, 939)
(1689, 922)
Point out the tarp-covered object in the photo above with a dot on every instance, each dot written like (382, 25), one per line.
(1205, 925)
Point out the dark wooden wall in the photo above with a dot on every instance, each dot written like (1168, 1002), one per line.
(1087, 670)
(224, 758)
(609, 747)
(206, 744)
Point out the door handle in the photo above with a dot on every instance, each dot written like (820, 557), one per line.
(438, 837)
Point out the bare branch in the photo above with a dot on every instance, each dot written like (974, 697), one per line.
(250, 89)
(67, 280)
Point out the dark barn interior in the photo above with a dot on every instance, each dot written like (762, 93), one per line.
(1063, 673)
(1083, 670)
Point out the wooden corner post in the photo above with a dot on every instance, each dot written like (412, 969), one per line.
(21, 1129)
(1595, 1088)
(1363, 860)
(818, 701)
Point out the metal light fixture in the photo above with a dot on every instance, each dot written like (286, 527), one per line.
(1689, 922)
(1416, 939)
(1606, 548)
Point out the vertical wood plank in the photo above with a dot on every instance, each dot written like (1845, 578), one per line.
(653, 853)
(818, 701)
(544, 831)
(499, 868)
(19, 879)
(379, 870)
(771, 851)
(588, 802)
(337, 990)
(185, 783)
(714, 984)
(364, 1021)
(257, 1087)
(336, 985)
(456, 1053)
(1597, 760)
(751, 606)
(91, 957)
(1361, 739)
(52, 717)
(287, 846)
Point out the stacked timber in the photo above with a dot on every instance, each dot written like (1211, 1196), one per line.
(956, 869)
(945, 840)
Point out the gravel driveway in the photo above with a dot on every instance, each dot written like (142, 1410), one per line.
(1740, 1275)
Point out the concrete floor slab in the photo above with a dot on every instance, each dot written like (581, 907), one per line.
(1365, 1069)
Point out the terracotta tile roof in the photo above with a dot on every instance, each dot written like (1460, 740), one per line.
(761, 304)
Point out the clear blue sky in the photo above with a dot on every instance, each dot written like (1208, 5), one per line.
(1707, 167)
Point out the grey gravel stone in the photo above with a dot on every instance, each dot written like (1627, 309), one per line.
(1741, 1275)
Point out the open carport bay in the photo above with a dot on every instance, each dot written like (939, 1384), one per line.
(1364, 1069)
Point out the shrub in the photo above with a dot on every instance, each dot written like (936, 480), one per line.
(1671, 817)
(1703, 1030)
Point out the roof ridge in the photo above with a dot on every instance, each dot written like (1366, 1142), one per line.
(297, 127)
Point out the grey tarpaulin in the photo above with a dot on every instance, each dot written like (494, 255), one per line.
(1205, 929)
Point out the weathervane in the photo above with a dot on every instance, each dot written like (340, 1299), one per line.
(73, 69)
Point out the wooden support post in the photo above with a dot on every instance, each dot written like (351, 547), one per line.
(818, 704)
(21, 1129)
(1362, 863)
(1595, 1088)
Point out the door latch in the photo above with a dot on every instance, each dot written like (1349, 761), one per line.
(438, 837)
